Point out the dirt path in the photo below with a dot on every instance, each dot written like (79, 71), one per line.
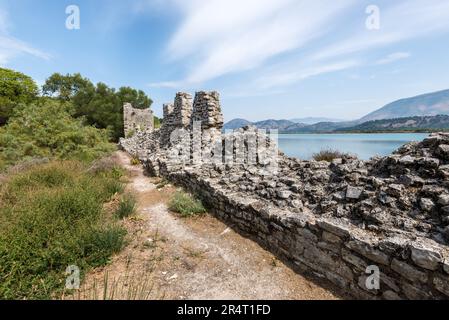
(196, 258)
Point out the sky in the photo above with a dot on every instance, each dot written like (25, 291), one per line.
(269, 59)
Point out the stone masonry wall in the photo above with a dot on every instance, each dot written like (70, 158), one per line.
(332, 220)
(329, 247)
(137, 119)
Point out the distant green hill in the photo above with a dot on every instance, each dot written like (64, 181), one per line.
(430, 104)
(429, 123)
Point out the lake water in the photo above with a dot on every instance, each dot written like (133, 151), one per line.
(365, 146)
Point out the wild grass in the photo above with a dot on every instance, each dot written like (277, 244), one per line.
(328, 155)
(126, 207)
(51, 216)
(130, 286)
(186, 205)
(135, 160)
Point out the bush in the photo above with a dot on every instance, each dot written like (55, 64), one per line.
(186, 205)
(51, 216)
(328, 155)
(47, 129)
(126, 207)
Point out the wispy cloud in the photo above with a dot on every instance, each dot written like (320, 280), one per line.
(221, 39)
(10, 47)
(394, 57)
(284, 78)
(165, 84)
(399, 22)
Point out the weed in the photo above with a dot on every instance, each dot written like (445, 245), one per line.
(186, 205)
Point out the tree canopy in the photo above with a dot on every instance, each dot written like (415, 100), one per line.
(16, 88)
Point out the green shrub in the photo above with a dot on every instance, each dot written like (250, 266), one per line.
(126, 207)
(51, 216)
(47, 129)
(185, 204)
(328, 155)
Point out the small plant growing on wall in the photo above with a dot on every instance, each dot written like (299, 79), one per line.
(130, 134)
(135, 160)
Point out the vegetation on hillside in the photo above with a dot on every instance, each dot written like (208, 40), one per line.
(46, 128)
(406, 124)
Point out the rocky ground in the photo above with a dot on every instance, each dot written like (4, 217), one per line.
(169, 257)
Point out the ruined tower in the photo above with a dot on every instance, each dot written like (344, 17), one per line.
(137, 119)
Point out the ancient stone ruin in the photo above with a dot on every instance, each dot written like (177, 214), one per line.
(342, 221)
(137, 119)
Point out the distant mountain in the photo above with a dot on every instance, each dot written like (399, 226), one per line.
(321, 127)
(314, 120)
(430, 104)
(433, 123)
(265, 124)
(235, 124)
(273, 124)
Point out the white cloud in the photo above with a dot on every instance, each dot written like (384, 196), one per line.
(394, 57)
(400, 22)
(11, 47)
(226, 36)
(284, 78)
(165, 84)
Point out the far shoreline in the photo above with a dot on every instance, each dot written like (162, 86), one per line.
(361, 132)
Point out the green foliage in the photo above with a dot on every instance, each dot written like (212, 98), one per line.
(126, 207)
(51, 216)
(328, 155)
(15, 89)
(100, 105)
(65, 87)
(157, 122)
(47, 129)
(186, 205)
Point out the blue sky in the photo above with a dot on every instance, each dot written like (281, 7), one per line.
(268, 58)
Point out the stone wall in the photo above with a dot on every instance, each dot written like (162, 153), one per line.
(333, 220)
(331, 248)
(137, 119)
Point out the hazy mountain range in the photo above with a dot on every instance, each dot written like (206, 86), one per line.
(423, 109)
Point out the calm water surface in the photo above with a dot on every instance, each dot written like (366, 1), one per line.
(365, 146)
